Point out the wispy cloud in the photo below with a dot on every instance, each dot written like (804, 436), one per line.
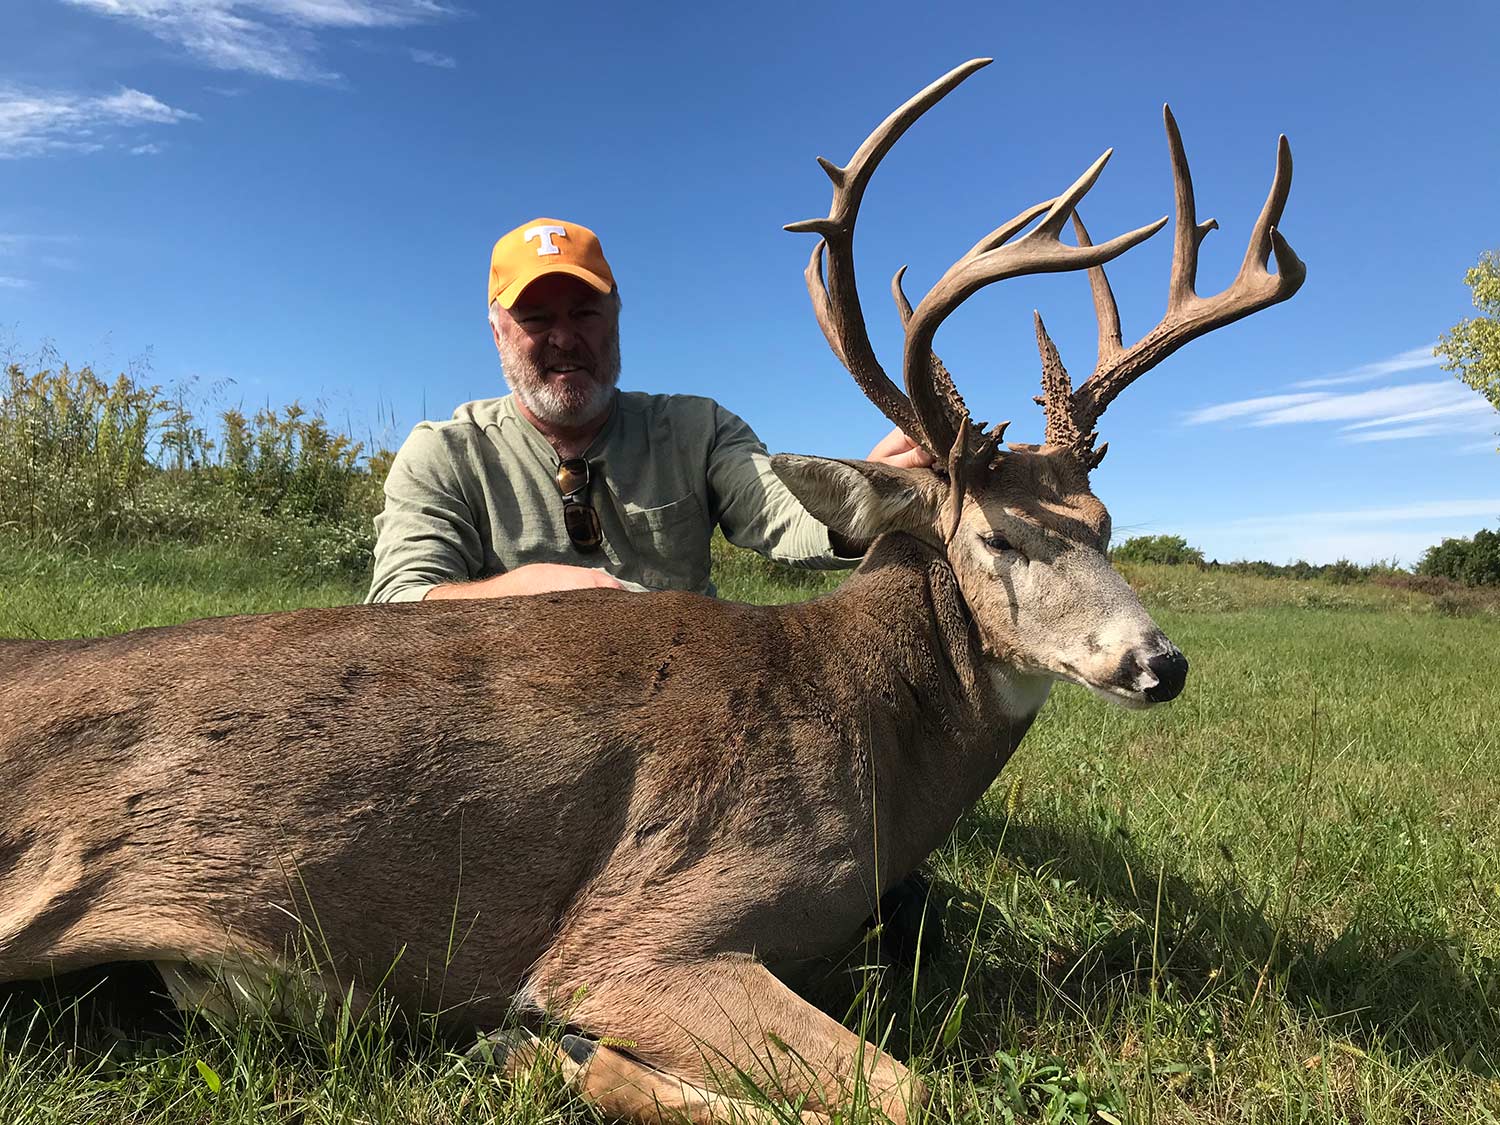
(1402, 531)
(1402, 412)
(36, 250)
(150, 149)
(432, 58)
(1413, 359)
(272, 38)
(14, 283)
(1248, 406)
(1483, 508)
(41, 123)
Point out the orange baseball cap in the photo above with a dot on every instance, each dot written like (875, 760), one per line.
(545, 246)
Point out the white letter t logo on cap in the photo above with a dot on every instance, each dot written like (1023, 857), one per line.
(544, 236)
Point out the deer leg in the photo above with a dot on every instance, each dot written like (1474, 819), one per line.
(623, 1087)
(725, 1026)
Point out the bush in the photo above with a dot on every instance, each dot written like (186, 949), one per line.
(1166, 550)
(1473, 562)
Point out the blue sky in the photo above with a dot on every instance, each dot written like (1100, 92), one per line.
(296, 199)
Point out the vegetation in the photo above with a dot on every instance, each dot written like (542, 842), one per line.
(98, 464)
(1473, 562)
(1166, 550)
(1471, 349)
(1275, 899)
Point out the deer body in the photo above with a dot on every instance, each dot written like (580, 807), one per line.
(617, 808)
(234, 780)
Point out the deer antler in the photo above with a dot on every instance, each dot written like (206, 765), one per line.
(1072, 415)
(835, 297)
(934, 413)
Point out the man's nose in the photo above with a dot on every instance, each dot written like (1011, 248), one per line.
(562, 338)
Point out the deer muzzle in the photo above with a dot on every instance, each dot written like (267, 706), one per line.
(1170, 670)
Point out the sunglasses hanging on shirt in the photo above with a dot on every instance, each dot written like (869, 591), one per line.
(579, 517)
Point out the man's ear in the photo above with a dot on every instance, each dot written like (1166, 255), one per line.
(862, 499)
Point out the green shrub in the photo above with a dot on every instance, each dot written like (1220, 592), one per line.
(1166, 550)
(1473, 562)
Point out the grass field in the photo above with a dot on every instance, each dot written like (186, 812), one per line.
(1276, 899)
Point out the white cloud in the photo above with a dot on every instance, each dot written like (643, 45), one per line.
(151, 149)
(39, 123)
(1227, 410)
(1401, 531)
(1384, 414)
(272, 38)
(1485, 507)
(14, 283)
(1413, 359)
(432, 58)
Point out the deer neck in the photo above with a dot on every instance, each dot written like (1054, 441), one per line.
(941, 717)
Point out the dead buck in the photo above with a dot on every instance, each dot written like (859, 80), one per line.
(625, 807)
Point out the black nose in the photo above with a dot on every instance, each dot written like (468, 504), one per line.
(1170, 670)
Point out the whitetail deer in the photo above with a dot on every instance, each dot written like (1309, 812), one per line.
(625, 807)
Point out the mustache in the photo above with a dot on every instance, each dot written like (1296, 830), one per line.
(579, 356)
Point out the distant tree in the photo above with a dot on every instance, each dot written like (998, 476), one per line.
(1168, 550)
(1474, 562)
(1472, 348)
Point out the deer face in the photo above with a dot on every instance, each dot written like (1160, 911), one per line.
(1028, 553)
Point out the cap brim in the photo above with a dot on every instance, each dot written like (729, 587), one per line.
(510, 293)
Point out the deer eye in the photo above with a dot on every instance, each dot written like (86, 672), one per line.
(997, 542)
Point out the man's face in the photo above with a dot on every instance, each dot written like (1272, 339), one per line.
(559, 348)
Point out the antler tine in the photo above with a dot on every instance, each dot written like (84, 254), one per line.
(834, 295)
(1106, 311)
(995, 259)
(1189, 233)
(1056, 398)
(1189, 315)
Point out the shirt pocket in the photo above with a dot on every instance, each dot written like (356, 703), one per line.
(670, 544)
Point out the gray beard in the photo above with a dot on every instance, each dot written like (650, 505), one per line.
(553, 403)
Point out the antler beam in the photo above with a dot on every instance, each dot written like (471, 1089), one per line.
(835, 297)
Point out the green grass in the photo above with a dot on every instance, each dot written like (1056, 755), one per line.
(1277, 899)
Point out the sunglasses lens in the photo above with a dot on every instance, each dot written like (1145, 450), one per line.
(582, 523)
(573, 475)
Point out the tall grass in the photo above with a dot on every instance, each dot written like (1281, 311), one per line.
(74, 450)
(93, 464)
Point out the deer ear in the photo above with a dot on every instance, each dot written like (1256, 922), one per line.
(862, 499)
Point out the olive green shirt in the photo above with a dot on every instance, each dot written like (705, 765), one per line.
(478, 495)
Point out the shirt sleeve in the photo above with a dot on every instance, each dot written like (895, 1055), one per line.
(426, 536)
(754, 508)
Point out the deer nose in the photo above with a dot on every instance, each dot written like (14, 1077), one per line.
(1170, 669)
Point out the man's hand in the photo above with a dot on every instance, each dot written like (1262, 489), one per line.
(899, 451)
(534, 578)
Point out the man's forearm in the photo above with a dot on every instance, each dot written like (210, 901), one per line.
(534, 578)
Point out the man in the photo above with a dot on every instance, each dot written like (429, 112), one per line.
(569, 482)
